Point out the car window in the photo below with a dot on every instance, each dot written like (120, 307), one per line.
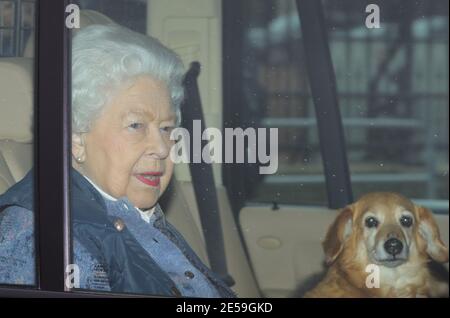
(16, 26)
(392, 90)
(393, 94)
(272, 91)
(17, 244)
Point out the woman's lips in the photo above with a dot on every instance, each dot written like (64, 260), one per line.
(149, 178)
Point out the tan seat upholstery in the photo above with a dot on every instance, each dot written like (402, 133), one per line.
(16, 117)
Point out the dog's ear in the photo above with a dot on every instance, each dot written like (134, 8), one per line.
(428, 231)
(337, 234)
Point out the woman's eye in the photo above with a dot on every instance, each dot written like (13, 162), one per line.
(167, 129)
(371, 222)
(406, 221)
(135, 126)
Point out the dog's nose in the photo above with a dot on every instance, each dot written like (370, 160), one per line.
(393, 246)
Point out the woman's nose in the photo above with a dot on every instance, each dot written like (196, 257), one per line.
(157, 145)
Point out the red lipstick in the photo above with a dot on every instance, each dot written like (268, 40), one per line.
(150, 178)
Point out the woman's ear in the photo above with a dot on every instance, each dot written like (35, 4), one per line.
(78, 147)
(338, 233)
(429, 231)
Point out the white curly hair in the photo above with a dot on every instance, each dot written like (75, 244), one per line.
(105, 57)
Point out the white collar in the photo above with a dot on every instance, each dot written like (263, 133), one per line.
(103, 193)
(145, 215)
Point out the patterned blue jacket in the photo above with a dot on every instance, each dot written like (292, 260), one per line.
(145, 258)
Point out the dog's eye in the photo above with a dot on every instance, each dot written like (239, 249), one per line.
(371, 222)
(406, 221)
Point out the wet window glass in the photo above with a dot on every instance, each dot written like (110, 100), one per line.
(17, 252)
(217, 148)
(274, 93)
(393, 96)
(392, 93)
(389, 83)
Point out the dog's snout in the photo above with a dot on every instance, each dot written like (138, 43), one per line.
(393, 246)
(393, 235)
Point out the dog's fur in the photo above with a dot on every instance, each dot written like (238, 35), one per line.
(350, 246)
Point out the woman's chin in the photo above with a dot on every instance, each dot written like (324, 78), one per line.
(145, 206)
(144, 200)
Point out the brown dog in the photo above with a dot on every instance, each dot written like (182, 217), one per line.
(389, 231)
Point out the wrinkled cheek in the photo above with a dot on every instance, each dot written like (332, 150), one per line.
(142, 198)
(119, 184)
(119, 180)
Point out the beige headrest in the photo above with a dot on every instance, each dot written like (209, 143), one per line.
(16, 99)
(87, 17)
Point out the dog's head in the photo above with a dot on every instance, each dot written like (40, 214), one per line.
(384, 229)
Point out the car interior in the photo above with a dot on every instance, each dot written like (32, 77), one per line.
(271, 250)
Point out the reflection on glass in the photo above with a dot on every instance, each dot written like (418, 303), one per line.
(393, 94)
(17, 258)
(276, 94)
(16, 26)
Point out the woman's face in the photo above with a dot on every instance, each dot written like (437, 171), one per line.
(126, 153)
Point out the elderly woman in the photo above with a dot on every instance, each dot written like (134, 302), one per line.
(126, 94)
